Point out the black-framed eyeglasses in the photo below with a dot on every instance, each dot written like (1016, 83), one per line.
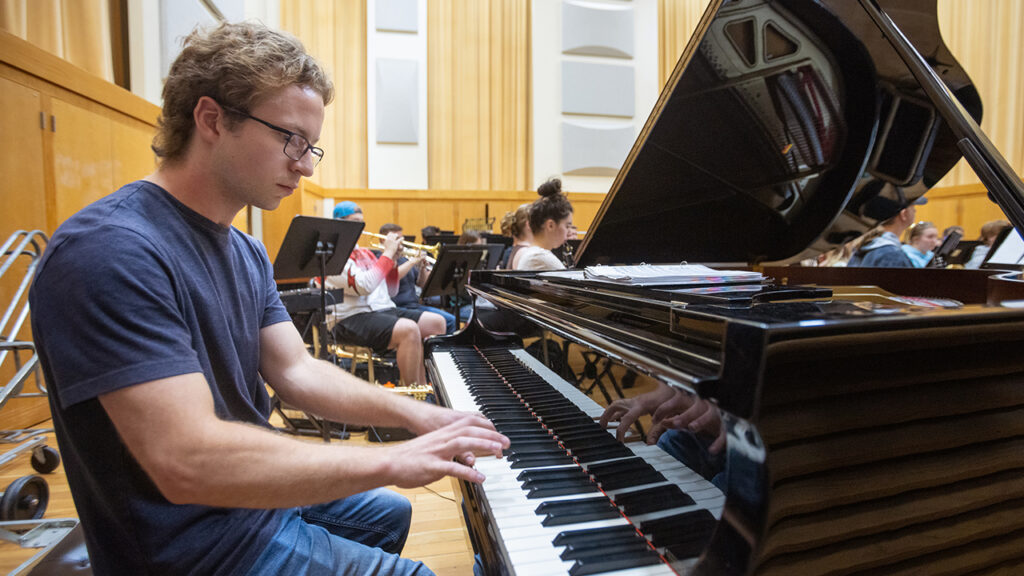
(295, 147)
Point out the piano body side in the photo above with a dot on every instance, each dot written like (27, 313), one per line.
(847, 429)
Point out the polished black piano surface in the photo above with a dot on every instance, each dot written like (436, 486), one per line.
(874, 418)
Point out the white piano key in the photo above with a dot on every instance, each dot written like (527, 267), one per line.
(526, 541)
(581, 400)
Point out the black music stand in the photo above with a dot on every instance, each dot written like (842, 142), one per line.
(316, 247)
(491, 253)
(451, 272)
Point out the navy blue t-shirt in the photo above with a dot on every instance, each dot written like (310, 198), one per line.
(134, 288)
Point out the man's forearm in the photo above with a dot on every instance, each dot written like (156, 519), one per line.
(327, 391)
(238, 465)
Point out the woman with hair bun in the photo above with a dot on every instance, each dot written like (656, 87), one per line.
(550, 219)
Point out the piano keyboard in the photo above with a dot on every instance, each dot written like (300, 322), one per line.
(568, 498)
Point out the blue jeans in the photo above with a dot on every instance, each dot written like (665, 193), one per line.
(692, 450)
(449, 318)
(361, 534)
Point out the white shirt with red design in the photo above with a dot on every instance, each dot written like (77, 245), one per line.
(369, 283)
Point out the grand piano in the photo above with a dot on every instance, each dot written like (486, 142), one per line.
(874, 418)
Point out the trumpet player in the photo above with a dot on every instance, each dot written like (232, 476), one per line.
(407, 296)
(367, 316)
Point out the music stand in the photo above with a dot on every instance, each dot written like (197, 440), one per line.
(451, 272)
(316, 247)
(945, 249)
(493, 253)
(443, 239)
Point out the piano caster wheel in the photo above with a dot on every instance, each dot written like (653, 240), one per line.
(25, 499)
(45, 459)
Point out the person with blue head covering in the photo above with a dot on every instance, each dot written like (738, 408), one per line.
(368, 316)
(345, 209)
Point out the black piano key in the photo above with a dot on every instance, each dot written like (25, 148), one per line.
(605, 534)
(587, 552)
(596, 453)
(653, 499)
(579, 518)
(547, 489)
(629, 479)
(671, 530)
(634, 463)
(561, 489)
(551, 474)
(538, 461)
(552, 450)
(631, 560)
(556, 507)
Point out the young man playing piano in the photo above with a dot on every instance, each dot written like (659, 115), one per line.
(157, 323)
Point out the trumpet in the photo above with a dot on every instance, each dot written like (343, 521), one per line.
(412, 246)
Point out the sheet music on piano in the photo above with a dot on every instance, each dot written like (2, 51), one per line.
(661, 275)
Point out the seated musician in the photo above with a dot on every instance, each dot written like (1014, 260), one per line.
(518, 223)
(989, 232)
(158, 354)
(408, 297)
(882, 247)
(922, 240)
(683, 425)
(550, 218)
(368, 317)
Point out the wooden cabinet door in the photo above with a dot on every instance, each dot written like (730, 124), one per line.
(133, 158)
(22, 207)
(22, 191)
(82, 157)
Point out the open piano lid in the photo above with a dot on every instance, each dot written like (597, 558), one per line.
(786, 128)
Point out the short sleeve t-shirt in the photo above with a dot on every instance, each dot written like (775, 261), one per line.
(137, 287)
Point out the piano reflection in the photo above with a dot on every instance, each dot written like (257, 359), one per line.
(874, 418)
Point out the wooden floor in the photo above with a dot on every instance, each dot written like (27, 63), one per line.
(437, 537)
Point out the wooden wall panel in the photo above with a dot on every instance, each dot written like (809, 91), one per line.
(478, 94)
(22, 198)
(677, 19)
(82, 157)
(335, 33)
(967, 206)
(984, 37)
(446, 209)
(133, 157)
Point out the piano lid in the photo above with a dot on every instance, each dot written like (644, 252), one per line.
(787, 127)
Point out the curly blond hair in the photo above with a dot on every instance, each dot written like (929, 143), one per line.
(236, 64)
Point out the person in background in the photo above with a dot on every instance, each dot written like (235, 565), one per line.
(367, 316)
(954, 228)
(550, 218)
(408, 297)
(922, 240)
(158, 355)
(519, 229)
(881, 248)
(470, 237)
(428, 231)
(989, 232)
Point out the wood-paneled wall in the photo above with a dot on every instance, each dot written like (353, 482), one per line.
(449, 209)
(478, 94)
(75, 30)
(335, 34)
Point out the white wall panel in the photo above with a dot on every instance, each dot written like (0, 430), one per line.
(597, 29)
(397, 16)
(595, 150)
(587, 75)
(598, 89)
(396, 105)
